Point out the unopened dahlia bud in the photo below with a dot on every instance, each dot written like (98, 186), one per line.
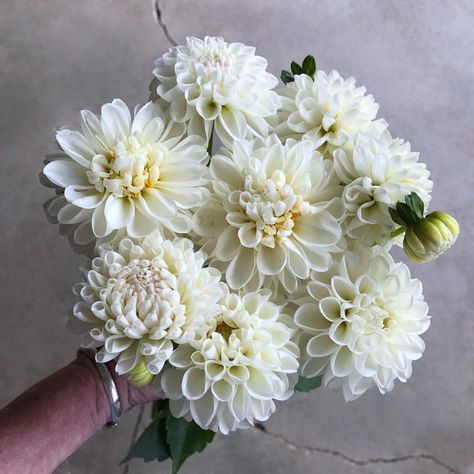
(140, 376)
(430, 237)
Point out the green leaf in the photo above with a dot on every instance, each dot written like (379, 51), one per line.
(286, 77)
(406, 213)
(296, 68)
(152, 444)
(396, 218)
(184, 439)
(307, 384)
(309, 66)
(416, 204)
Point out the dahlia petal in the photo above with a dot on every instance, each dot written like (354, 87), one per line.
(271, 261)
(115, 121)
(100, 226)
(249, 236)
(259, 385)
(65, 173)
(141, 224)
(309, 318)
(233, 122)
(194, 384)
(241, 268)
(160, 206)
(227, 245)
(222, 168)
(320, 346)
(118, 211)
(76, 146)
(203, 410)
(171, 381)
(143, 116)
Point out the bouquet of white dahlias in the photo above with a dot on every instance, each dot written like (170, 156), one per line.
(232, 277)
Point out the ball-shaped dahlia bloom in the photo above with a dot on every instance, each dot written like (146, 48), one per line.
(232, 377)
(329, 110)
(122, 172)
(139, 298)
(361, 323)
(210, 81)
(274, 211)
(378, 173)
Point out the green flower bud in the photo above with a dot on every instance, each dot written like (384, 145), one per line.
(430, 237)
(140, 376)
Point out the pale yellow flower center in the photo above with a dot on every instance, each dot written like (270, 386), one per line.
(129, 168)
(273, 205)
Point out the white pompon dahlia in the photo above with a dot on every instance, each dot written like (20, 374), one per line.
(274, 211)
(329, 110)
(211, 80)
(231, 378)
(122, 172)
(379, 172)
(362, 323)
(140, 297)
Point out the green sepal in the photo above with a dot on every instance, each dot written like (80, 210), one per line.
(184, 439)
(396, 218)
(305, 384)
(286, 77)
(406, 213)
(152, 444)
(309, 66)
(416, 204)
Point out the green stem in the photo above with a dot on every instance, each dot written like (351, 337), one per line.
(209, 145)
(397, 232)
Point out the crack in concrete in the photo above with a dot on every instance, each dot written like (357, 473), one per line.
(161, 24)
(356, 462)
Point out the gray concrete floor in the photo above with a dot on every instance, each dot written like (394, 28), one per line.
(415, 56)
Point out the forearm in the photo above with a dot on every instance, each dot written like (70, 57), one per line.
(48, 422)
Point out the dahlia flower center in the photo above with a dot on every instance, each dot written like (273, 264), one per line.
(129, 168)
(371, 319)
(224, 330)
(273, 205)
(215, 57)
(147, 281)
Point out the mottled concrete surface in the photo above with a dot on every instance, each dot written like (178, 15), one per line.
(58, 57)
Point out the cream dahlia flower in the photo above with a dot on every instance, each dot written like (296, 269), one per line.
(140, 298)
(362, 323)
(274, 212)
(209, 80)
(232, 377)
(379, 172)
(329, 110)
(122, 172)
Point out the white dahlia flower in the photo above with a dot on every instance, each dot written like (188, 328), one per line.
(209, 80)
(362, 323)
(329, 110)
(379, 172)
(140, 298)
(231, 378)
(128, 173)
(275, 211)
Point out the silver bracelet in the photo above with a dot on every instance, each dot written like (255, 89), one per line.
(109, 386)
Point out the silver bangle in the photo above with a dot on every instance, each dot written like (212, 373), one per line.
(109, 386)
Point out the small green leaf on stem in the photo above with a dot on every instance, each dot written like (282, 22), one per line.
(307, 384)
(286, 77)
